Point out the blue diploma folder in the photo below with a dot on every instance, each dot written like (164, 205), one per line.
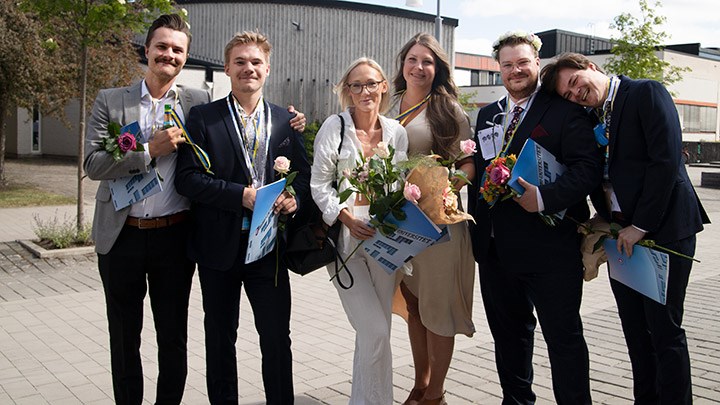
(537, 166)
(645, 272)
(264, 223)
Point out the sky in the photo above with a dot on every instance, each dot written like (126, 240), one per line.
(482, 21)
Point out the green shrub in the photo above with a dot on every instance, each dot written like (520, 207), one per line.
(61, 234)
(309, 134)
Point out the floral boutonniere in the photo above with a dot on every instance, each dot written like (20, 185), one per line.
(494, 186)
(118, 144)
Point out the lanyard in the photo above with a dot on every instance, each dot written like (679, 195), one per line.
(256, 171)
(403, 117)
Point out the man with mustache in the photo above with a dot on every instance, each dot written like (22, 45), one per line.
(524, 263)
(242, 134)
(141, 247)
(646, 189)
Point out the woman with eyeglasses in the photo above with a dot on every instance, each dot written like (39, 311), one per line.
(438, 296)
(363, 94)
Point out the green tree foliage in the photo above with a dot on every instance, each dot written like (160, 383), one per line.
(634, 51)
(23, 69)
(94, 37)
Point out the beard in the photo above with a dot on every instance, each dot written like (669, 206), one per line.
(523, 89)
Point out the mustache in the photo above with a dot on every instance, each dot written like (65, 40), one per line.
(160, 59)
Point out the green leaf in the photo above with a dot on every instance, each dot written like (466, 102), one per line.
(345, 194)
(290, 177)
(113, 129)
(599, 244)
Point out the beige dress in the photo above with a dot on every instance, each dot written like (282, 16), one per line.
(443, 276)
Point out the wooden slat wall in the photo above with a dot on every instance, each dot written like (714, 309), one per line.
(306, 63)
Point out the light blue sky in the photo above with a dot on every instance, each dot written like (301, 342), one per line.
(481, 21)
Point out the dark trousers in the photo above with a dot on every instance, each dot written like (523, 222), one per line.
(654, 335)
(271, 308)
(154, 261)
(509, 299)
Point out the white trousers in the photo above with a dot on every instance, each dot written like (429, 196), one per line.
(368, 306)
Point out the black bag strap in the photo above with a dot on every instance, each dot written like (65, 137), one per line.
(338, 268)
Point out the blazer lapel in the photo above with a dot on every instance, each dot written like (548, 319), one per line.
(532, 117)
(186, 101)
(131, 105)
(616, 114)
(234, 136)
(274, 140)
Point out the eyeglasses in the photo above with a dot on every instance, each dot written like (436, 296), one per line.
(357, 88)
(508, 66)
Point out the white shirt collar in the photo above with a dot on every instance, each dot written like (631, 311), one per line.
(145, 93)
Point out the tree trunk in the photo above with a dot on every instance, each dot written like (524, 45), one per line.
(3, 116)
(81, 137)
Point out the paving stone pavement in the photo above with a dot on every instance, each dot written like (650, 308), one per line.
(54, 343)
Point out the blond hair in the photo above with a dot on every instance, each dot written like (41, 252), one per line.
(343, 91)
(248, 37)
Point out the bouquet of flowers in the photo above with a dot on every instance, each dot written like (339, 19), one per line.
(434, 179)
(495, 179)
(118, 144)
(381, 182)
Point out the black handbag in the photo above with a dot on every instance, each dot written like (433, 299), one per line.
(312, 243)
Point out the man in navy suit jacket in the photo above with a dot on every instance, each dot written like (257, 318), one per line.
(242, 134)
(524, 263)
(646, 189)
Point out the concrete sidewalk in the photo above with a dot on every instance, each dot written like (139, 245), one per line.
(54, 343)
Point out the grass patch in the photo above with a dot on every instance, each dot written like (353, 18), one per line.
(60, 234)
(23, 195)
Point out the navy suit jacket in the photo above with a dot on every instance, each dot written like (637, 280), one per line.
(217, 210)
(646, 167)
(524, 243)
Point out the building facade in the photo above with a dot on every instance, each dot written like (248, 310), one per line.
(696, 95)
(313, 42)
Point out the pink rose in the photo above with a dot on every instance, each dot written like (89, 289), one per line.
(282, 165)
(126, 142)
(411, 192)
(499, 174)
(468, 147)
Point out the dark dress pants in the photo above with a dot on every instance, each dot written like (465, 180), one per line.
(271, 308)
(509, 299)
(154, 261)
(654, 335)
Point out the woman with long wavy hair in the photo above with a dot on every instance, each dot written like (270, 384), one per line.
(439, 294)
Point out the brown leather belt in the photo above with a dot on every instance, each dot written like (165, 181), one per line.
(159, 222)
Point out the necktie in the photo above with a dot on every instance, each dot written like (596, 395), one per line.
(513, 122)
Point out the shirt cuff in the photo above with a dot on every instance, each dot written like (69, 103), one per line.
(540, 204)
(640, 229)
(146, 154)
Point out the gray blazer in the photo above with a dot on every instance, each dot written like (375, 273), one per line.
(121, 105)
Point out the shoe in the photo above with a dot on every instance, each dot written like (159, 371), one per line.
(436, 401)
(416, 394)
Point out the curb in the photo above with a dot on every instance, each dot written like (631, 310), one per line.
(43, 253)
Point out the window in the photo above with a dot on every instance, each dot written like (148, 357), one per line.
(35, 146)
(695, 118)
